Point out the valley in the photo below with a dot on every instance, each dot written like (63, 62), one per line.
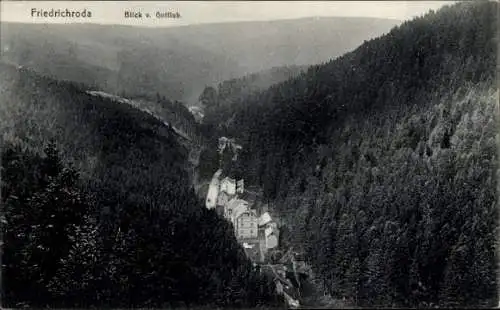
(290, 280)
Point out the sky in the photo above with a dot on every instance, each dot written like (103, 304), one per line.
(198, 12)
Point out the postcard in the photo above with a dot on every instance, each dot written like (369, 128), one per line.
(249, 154)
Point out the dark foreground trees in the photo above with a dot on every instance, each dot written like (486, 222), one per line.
(59, 250)
(111, 219)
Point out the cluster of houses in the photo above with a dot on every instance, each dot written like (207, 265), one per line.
(254, 228)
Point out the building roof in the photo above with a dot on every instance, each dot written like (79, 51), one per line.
(217, 174)
(248, 197)
(228, 179)
(228, 185)
(240, 210)
(264, 219)
(238, 206)
(233, 203)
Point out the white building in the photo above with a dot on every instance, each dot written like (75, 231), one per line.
(240, 187)
(228, 186)
(246, 224)
(270, 228)
(271, 240)
(243, 218)
(213, 191)
(264, 219)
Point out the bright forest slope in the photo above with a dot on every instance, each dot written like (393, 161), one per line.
(217, 103)
(110, 218)
(384, 161)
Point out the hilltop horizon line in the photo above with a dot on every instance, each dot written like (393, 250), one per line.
(316, 17)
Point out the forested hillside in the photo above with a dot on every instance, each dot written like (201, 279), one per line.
(228, 92)
(178, 62)
(219, 104)
(98, 210)
(384, 161)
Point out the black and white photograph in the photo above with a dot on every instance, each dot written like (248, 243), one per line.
(249, 154)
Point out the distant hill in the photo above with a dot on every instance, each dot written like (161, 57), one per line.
(384, 161)
(99, 204)
(120, 60)
(261, 45)
(179, 62)
(233, 91)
